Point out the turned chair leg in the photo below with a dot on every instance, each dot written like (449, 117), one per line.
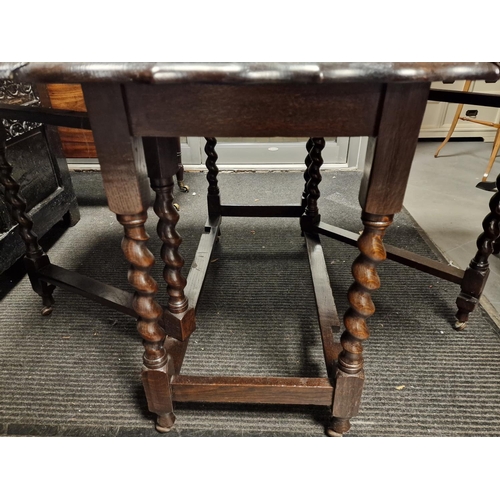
(477, 272)
(454, 121)
(35, 258)
(493, 157)
(180, 173)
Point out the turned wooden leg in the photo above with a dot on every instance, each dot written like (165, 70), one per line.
(454, 122)
(35, 258)
(478, 270)
(350, 375)
(307, 175)
(312, 177)
(180, 173)
(213, 195)
(168, 218)
(156, 371)
(493, 157)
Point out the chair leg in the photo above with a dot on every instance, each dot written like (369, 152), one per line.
(454, 121)
(478, 270)
(180, 173)
(494, 152)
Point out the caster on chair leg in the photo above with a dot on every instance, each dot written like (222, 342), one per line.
(47, 310)
(183, 187)
(460, 325)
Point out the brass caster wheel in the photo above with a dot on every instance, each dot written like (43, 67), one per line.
(183, 187)
(460, 325)
(47, 311)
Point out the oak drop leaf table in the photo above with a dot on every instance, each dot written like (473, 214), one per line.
(138, 111)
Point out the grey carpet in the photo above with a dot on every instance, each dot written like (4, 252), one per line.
(76, 373)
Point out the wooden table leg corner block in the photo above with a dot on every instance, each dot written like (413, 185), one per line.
(346, 401)
(179, 326)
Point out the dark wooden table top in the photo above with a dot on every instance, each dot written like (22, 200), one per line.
(247, 73)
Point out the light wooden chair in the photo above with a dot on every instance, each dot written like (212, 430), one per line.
(489, 186)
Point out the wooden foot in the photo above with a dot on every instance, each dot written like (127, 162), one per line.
(349, 377)
(338, 427)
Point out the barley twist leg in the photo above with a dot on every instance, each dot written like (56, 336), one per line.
(157, 368)
(477, 272)
(350, 376)
(35, 258)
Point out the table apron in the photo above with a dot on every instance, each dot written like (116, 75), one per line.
(294, 110)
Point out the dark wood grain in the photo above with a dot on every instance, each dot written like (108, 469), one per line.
(45, 115)
(390, 154)
(121, 157)
(405, 257)
(261, 210)
(235, 111)
(350, 375)
(213, 192)
(125, 101)
(155, 372)
(35, 257)
(199, 267)
(248, 73)
(104, 294)
(272, 390)
(478, 269)
(329, 323)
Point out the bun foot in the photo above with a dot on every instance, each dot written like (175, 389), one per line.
(164, 423)
(331, 433)
(338, 427)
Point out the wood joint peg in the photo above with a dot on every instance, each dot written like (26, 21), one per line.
(347, 394)
(179, 325)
